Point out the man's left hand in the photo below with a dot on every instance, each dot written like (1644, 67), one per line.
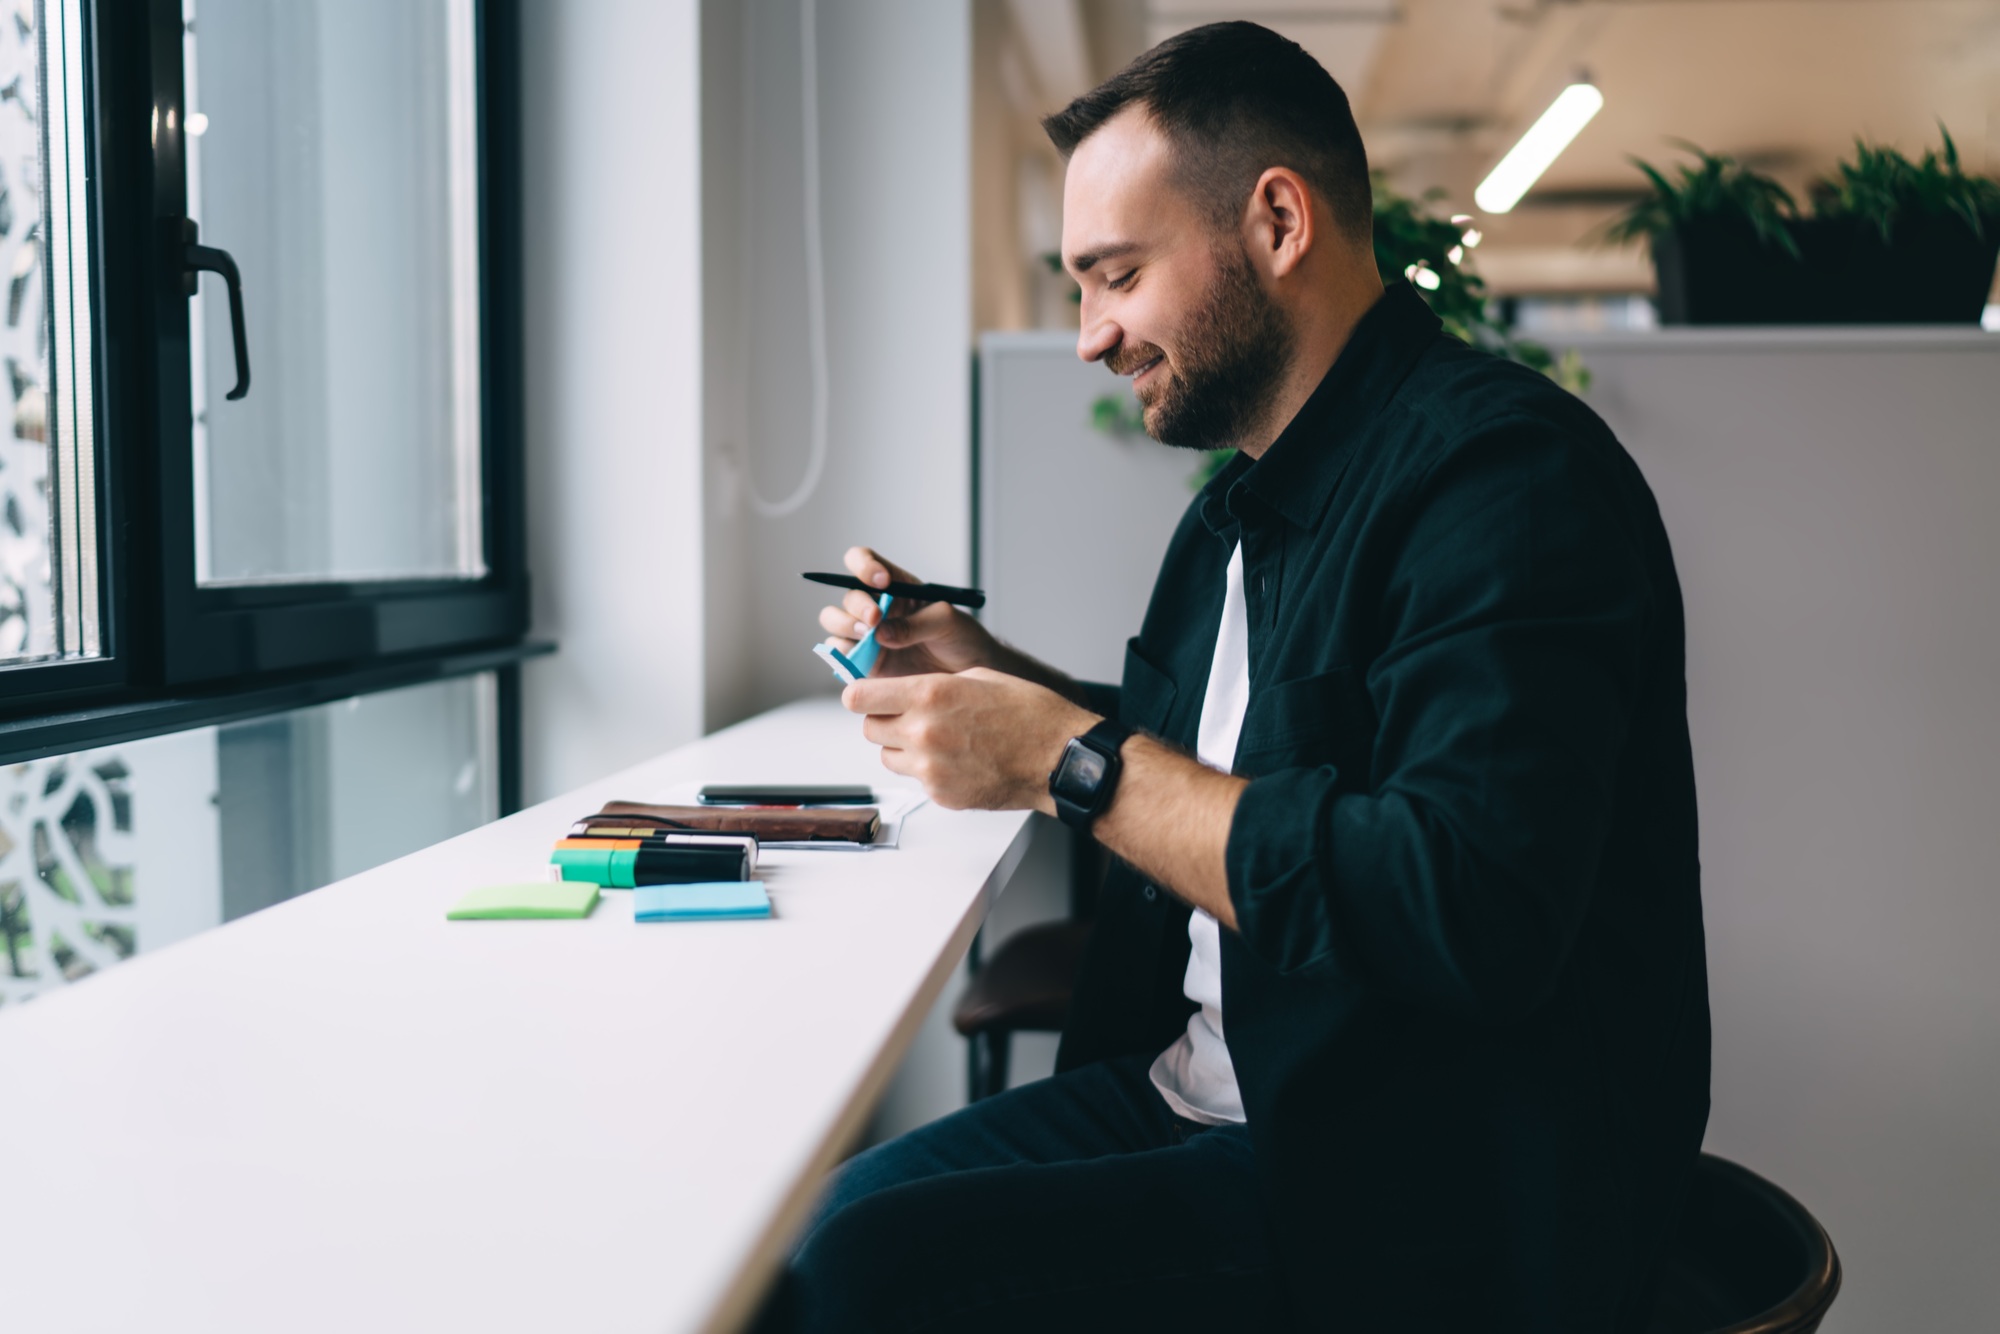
(977, 740)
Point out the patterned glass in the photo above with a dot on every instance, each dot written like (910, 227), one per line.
(109, 852)
(48, 538)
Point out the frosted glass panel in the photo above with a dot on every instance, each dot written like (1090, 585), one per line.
(106, 853)
(332, 150)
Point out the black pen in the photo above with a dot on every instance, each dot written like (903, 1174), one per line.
(958, 597)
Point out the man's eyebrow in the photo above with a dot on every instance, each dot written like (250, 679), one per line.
(1089, 259)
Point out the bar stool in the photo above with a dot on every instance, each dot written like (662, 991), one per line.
(1023, 988)
(1748, 1259)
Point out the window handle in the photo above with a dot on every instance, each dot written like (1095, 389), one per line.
(194, 258)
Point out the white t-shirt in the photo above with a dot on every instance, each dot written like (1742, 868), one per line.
(1195, 1075)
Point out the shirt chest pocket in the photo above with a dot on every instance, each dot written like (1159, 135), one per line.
(1325, 718)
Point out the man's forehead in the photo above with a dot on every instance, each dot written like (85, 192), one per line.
(1118, 182)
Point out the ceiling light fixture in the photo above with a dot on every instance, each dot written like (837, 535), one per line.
(1539, 147)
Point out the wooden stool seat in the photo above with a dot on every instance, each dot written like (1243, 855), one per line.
(1748, 1259)
(1023, 987)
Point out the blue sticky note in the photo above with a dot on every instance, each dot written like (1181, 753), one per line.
(721, 898)
(852, 667)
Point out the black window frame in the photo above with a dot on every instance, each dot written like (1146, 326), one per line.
(172, 649)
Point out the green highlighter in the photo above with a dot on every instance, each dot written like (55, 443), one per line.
(537, 899)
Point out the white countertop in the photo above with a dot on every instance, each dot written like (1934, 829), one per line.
(346, 1113)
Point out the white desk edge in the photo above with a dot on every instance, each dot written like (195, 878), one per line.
(188, 1111)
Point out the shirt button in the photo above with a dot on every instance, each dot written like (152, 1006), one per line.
(1150, 893)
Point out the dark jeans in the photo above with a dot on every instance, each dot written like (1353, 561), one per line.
(1074, 1202)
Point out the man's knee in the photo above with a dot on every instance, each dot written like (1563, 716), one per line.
(893, 1163)
(872, 1264)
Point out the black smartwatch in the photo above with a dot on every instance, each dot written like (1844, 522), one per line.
(1087, 774)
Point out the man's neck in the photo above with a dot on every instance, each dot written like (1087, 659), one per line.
(1324, 328)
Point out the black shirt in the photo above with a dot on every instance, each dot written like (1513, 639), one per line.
(1467, 1001)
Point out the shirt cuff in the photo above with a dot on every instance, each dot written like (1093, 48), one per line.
(1273, 858)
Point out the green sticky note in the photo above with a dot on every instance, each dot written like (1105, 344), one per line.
(540, 898)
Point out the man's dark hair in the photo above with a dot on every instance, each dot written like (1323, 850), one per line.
(1235, 99)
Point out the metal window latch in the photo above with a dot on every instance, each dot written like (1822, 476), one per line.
(193, 259)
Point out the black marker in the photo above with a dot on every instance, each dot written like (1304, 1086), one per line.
(958, 597)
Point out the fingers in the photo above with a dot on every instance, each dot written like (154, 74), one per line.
(871, 569)
(898, 762)
(841, 621)
(862, 610)
(886, 696)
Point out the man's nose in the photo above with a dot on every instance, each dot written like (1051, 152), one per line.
(1096, 338)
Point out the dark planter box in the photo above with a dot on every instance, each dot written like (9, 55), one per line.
(1721, 272)
(1934, 270)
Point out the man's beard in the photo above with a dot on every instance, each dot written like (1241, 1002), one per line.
(1233, 351)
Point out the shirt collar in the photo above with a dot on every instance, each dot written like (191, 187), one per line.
(1295, 477)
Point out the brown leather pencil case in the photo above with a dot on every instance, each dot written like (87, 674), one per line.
(835, 824)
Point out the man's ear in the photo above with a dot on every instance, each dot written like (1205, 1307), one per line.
(1283, 221)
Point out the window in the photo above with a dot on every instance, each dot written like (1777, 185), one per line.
(331, 145)
(362, 498)
(108, 852)
(260, 477)
(50, 606)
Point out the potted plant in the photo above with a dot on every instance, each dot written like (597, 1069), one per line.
(1907, 242)
(1415, 244)
(1724, 244)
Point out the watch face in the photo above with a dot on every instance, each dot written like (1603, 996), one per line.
(1082, 770)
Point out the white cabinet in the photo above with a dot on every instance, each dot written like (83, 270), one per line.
(1072, 520)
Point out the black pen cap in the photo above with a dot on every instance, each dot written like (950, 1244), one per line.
(688, 865)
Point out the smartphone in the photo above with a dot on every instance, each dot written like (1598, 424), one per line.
(787, 794)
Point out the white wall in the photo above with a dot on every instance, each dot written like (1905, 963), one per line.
(1831, 503)
(667, 352)
(667, 356)
(894, 138)
(895, 147)
(611, 148)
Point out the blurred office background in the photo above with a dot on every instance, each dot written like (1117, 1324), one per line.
(779, 275)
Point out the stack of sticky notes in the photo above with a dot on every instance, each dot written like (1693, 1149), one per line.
(539, 899)
(673, 877)
(675, 903)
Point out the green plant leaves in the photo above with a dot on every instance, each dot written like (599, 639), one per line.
(1882, 186)
(1879, 185)
(1408, 236)
(1715, 186)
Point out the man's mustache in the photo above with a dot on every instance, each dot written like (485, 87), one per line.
(1128, 359)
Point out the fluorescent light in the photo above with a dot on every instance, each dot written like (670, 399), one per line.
(197, 123)
(1539, 147)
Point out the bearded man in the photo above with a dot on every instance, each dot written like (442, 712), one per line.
(1395, 1015)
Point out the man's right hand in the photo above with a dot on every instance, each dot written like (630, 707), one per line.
(919, 637)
